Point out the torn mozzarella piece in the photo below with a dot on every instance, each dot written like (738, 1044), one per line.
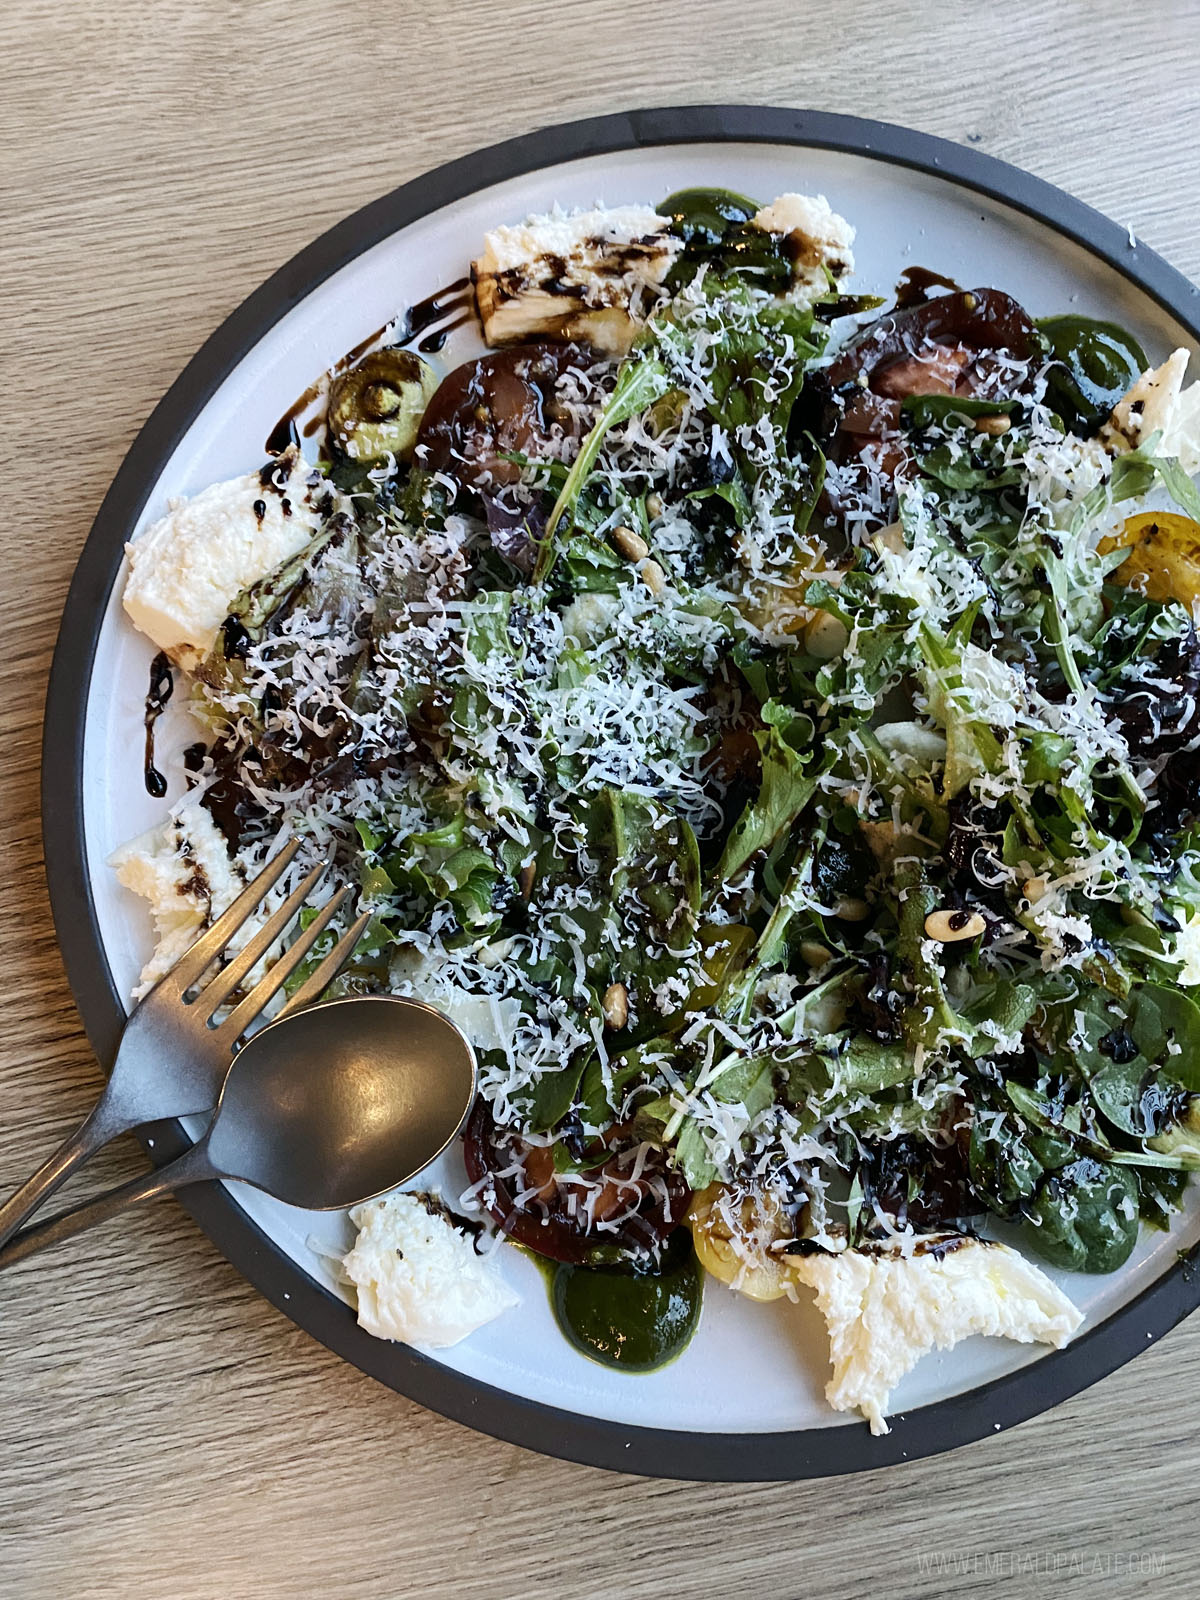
(417, 1276)
(885, 1310)
(817, 239)
(914, 739)
(188, 568)
(1187, 949)
(1158, 403)
(183, 868)
(589, 275)
(590, 618)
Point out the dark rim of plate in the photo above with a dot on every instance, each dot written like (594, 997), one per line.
(841, 1447)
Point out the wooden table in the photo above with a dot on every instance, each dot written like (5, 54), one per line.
(166, 1433)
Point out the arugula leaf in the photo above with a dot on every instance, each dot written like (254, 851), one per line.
(641, 381)
(785, 789)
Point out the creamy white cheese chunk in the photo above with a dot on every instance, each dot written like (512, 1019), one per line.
(187, 569)
(417, 1276)
(1186, 949)
(1159, 403)
(885, 1310)
(595, 275)
(818, 239)
(573, 275)
(183, 869)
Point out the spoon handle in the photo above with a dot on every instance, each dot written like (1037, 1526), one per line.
(194, 1166)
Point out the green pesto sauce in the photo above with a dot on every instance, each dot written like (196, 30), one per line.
(633, 1321)
(714, 225)
(709, 212)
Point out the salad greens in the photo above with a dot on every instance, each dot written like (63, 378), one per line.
(757, 755)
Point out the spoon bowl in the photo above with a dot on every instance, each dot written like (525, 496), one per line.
(343, 1101)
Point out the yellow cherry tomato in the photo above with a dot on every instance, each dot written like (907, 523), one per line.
(1164, 555)
(738, 1254)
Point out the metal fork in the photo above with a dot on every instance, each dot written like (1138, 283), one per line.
(174, 1054)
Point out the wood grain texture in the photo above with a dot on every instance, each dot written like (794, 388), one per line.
(166, 1434)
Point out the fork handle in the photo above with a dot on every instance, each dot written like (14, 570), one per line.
(95, 1131)
(194, 1166)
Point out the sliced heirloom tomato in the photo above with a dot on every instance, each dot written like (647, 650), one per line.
(733, 1243)
(968, 343)
(648, 1206)
(503, 404)
(972, 320)
(1164, 555)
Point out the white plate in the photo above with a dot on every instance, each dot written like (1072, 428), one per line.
(750, 1370)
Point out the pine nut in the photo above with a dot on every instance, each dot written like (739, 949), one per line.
(616, 1006)
(652, 576)
(654, 506)
(850, 909)
(993, 425)
(813, 954)
(949, 927)
(1033, 889)
(629, 544)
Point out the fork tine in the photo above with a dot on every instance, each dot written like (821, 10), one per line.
(244, 1013)
(196, 960)
(315, 985)
(230, 976)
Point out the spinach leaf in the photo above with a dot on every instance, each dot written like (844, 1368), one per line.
(1160, 1195)
(844, 1070)
(925, 410)
(981, 467)
(747, 1081)
(1084, 1216)
(1136, 1099)
(1075, 1210)
(868, 1066)
(554, 1094)
(693, 1157)
(602, 1094)
(1161, 1017)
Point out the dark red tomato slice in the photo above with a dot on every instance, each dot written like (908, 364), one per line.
(965, 343)
(973, 320)
(544, 1211)
(505, 402)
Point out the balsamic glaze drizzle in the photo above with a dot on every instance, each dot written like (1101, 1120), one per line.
(456, 302)
(162, 686)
